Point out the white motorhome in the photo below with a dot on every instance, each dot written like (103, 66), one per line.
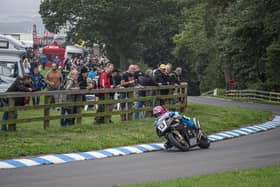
(72, 51)
(11, 52)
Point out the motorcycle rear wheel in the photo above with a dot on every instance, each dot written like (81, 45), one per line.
(172, 137)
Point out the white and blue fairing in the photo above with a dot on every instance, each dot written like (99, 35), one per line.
(183, 119)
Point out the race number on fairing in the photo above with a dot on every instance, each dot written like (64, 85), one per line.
(162, 126)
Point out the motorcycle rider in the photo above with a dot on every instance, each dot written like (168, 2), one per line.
(159, 112)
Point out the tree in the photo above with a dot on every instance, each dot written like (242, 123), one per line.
(250, 30)
(237, 38)
(123, 25)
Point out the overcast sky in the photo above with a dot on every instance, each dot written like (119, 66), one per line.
(19, 15)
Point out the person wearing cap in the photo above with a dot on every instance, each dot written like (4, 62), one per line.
(83, 80)
(161, 78)
(20, 85)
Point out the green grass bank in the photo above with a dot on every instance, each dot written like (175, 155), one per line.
(257, 177)
(31, 139)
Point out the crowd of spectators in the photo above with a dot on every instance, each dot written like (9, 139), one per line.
(98, 73)
(95, 72)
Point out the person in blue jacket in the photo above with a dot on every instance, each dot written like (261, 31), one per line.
(37, 84)
(44, 60)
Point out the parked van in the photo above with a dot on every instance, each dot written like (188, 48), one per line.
(11, 54)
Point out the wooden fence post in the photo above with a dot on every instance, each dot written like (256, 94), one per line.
(148, 103)
(185, 91)
(107, 107)
(178, 98)
(157, 100)
(46, 112)
(79, 109)
(130, 95)
(11, 114)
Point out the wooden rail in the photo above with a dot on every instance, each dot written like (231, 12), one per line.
(177, 100)
(255, 94)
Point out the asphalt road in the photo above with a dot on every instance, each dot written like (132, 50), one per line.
(244, 152)
(224, 102)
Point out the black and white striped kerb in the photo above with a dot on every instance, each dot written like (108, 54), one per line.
(127, 150)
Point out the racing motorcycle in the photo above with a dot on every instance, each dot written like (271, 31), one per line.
(181, 135)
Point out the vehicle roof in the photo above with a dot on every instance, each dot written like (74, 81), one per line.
(16, 44)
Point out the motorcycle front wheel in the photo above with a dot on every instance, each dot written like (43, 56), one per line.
(175, 141)
(204, 142)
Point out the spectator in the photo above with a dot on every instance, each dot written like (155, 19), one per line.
(168, 68)
(126, 82)
(137, 73)
(171, 75)
(67, 64)
(37, 84)
(178, 73)
(70, 84)
(62, 72)
(83, 78)
(155, 70)
(104, 79)
(33, 65)
(44, 60)
(26, 66)
(57, 61)
(90, 64)
(116, 82)
(54, 80)
(104, 82)
(116, 78)
(20, 85)
(144, 80)
(91, 73)
(161, 78)
(172, 81)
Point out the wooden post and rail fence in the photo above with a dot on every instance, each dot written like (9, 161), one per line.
(177, 100)
(249, 94)
(255, 94)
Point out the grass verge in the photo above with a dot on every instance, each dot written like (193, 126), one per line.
(31, 139)
(264, 176)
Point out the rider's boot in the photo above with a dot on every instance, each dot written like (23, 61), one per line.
(167, 145)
